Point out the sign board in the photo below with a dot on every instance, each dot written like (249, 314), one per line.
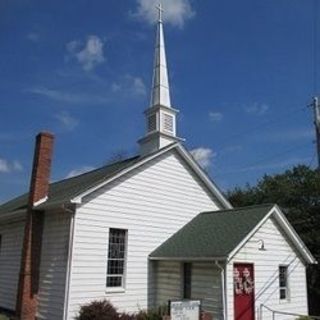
(185, 310)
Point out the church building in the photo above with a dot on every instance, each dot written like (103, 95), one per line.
(145, 230)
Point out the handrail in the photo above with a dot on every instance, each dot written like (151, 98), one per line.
(284, 313)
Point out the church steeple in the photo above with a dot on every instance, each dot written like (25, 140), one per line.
(160, 94)
(160, 116)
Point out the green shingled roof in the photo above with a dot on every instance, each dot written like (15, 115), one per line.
(212, 234)
(64, 190)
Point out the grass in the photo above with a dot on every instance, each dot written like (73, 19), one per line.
(2, 317)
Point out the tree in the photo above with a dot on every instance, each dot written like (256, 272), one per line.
(297, 192)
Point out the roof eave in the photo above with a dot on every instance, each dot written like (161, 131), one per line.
(188, 258)
(294, 237)
(13, 214)
(204, 177)
(290, 232)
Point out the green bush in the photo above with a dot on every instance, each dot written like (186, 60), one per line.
(104, 310)
(98, 310)
(304, 318)
(152, 314)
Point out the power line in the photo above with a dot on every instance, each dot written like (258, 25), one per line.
(315, 47)
(262, 160)
(293, 112)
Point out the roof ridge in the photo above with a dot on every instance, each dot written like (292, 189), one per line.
(241, 208)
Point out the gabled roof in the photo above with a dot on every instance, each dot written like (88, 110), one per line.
(64, 190)
(220, 234)
(75, 188)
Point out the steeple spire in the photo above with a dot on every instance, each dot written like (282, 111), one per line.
(160, 116)
(160, 94)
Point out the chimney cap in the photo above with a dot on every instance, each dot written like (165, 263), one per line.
(45, 134)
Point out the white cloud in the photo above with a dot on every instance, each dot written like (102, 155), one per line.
(33, 36)
(256, 109)
(79, 171)
(130, 84)
(89, 54)
(176, 12)
(138, 86)
(67, 121)
(215, 116)
(203, 156)
(17, 166)
(69, 97)
(6, 166)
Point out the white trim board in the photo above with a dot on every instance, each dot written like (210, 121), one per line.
(185, 156)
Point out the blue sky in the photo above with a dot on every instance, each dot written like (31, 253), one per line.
(241, 73)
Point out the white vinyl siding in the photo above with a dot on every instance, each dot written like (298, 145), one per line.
(54, 257)
(152, 203)
(266, 267)
(206, 286)
(168, 282)
(10, 258)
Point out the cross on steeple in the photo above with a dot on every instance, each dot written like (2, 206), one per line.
(159, 7)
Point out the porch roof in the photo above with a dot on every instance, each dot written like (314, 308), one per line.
(212, 234)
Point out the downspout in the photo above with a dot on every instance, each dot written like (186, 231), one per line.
(69, 263)
(223, 289)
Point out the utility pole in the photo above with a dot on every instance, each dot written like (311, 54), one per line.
(316, 112)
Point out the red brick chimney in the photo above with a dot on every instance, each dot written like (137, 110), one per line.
(26, 307)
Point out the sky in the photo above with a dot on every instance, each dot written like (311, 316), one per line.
(241, 73)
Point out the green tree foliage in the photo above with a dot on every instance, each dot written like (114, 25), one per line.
(297, 192)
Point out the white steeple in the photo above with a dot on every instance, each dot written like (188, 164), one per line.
(160, 83)
(160, 116)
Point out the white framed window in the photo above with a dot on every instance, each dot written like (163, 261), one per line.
(116, 258)
(283, 283)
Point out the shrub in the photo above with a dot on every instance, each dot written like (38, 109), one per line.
(104, 310)
(304, 318)
(98, 310)
(152, 314)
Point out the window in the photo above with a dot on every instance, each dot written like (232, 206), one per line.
(187, 271)
(168, 123)
(283, 282)
(116, 258)
(152, 122)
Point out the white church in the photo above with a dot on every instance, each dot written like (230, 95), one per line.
(146, 230)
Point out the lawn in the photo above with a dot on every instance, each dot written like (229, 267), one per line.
(2, 317)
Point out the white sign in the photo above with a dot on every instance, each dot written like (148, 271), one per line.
(185, 310)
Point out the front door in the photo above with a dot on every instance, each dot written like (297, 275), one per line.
(243, 280)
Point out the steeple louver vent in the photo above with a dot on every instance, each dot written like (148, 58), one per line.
(152, 122)
(168, 123)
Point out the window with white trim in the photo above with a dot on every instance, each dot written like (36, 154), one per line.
(283, 283)
(116, 258)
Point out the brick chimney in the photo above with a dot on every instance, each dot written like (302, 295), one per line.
(26, 307)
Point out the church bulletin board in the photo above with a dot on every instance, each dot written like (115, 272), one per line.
(185, 310)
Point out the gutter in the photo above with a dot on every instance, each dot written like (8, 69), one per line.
(223, 288)
(18, 214)
(188, 258)
(69, 262)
